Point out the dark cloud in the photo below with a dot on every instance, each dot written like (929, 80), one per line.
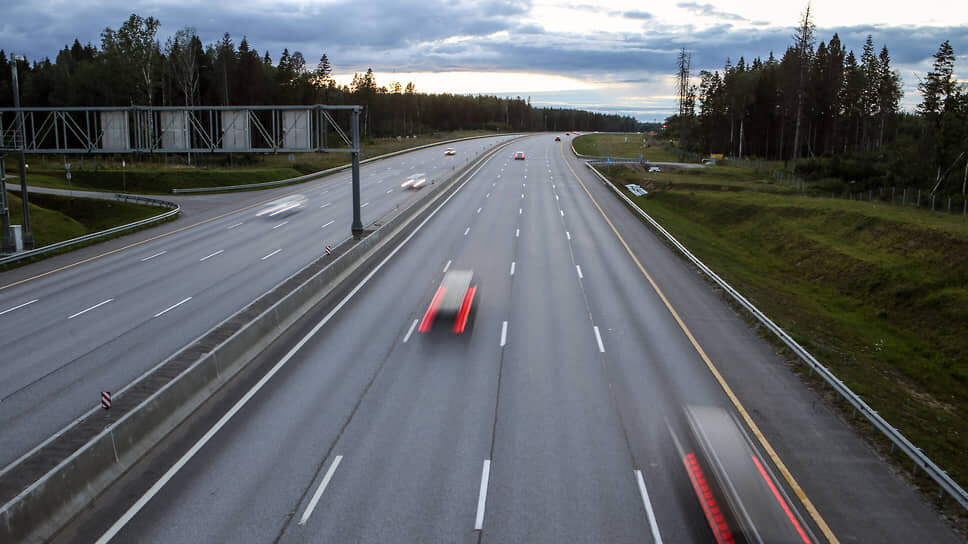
(637, 15)
(708, 10)
(440, 35)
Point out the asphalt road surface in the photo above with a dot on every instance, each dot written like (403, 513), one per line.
(96, 319)
(560, 417)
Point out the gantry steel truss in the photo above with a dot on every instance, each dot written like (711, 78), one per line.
(196, 129)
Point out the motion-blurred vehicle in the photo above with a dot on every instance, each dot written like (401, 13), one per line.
(415, 181)
(654, 169)
(283, 206)
(557, 138)
(736, 490)
(519, 156)
(450, 151)
(452, 303)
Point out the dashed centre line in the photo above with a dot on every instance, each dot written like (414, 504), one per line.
(271, 254)
(512, 268)
(280, 224)
(20, 306)
(504, 334)
(578, 268)
(319, 491)
(598, 338)
(159, 254)
(328, 224)
(207, 257)
(468, 229)
(82, 312)
(230, 227)
(172, 307)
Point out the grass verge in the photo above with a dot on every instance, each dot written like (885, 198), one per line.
(878, 293)
(57, 218)
(628, 146)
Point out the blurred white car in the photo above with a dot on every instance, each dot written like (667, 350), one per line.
(654, 169)
(283, 206)
(450, 151)
(415, 181)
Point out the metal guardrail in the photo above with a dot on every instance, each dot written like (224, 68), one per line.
(322, 173)
(898, 440)
(174, 210)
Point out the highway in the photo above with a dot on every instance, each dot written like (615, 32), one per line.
(66, 336)
(561, 416)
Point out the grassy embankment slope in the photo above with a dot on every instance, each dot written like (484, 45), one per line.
(153, 175)
(878, 293)
(57, 218)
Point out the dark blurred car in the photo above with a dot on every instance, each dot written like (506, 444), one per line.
(734, 487)
(519, 156)
(452, 303)
(557, 138)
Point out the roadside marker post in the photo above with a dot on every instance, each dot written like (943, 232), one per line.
(105, 399)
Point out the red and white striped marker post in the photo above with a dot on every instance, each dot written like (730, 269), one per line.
(329, 250)
(105, 399)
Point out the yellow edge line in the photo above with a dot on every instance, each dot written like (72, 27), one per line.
(811, 509)
(89, 259)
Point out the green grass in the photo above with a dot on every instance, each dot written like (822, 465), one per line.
(628, 146)
(878, 293)
(57, 218)
(157, 174)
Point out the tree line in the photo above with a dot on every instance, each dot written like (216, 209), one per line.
(836, 112)
(132, 67)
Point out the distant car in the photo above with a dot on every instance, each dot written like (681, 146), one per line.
(567, 134)
(519, 156)
(452, 303)
(654, 169)
(283, 206)
(557, 138)
(415, 181)
(450, 151)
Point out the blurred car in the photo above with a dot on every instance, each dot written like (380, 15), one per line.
(452, 303)
(734, 487)
(654, 169)
(557, 138)
(415, 181)
(450, 151)
(283, 206)
(519, 156)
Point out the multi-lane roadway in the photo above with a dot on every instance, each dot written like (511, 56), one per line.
(560, 417)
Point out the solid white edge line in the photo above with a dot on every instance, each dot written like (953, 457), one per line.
(98, 305)
(141, 502)
(271, 254)
(172, 307)
(578, 268)
(482, 496)
(319, 490)
(207, 257)
(512, 268)
(328, 224)
(446, 266)
(504, 333)
(653, 524)
(160, 253)
(21, 306)
(598, 337)
(409, 332)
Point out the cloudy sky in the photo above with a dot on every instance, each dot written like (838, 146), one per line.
(611, 56)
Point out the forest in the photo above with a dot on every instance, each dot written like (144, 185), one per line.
(830, 115)
(132, 67)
